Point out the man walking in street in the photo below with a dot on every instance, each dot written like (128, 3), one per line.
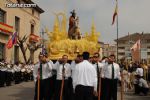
(85, 79)
(42, 76)
(111, 74)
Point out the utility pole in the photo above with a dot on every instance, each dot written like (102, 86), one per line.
(42, 35)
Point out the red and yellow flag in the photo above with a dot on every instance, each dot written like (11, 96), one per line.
(115, 13)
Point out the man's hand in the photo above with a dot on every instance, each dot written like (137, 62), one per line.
(95, 93)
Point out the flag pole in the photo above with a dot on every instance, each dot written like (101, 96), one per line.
(117, 25)
(117, 30)
(62, 83)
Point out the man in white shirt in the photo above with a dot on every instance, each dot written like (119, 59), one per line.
(78, 59)
(2, 74)
(63, 70)
(111, 74)
(139, 71)
(43, 74)
(142, 85)
(98, 67)
(17, 73)
(85, 79)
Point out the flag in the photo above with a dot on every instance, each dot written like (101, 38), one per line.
(115, 13)
(44, 52)
(34, 38)
(136, 46)
(135, 51)
(12, 40)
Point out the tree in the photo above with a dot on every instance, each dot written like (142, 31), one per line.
(20, 42)
(33, 46)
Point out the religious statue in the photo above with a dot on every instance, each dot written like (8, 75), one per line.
(74, 30)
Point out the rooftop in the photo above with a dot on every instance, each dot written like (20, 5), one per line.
(40, 10)
(134, 37)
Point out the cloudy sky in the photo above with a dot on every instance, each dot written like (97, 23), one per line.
(134, 15)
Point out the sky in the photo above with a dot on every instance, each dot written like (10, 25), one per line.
(134, 15)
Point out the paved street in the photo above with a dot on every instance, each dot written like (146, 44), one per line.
(25, 91)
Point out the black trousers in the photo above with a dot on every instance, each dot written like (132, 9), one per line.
(142, 90)
(136, 89)
(109, 89)
(8, 78)
(70, 86)
(45, 90)
(2, 78)
(17, 77)
(102, 89)
(66, 95)
(84, 92)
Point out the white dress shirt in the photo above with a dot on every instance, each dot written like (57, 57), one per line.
(59, 67)
(46, 70)
(107, 71)
(73, 64)
(139, 71)
(85, 74)
(17, 68)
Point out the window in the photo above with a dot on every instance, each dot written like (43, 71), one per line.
(16, 54)
(121, 53)
(2, 49)
(17, 24)
(32, 28)
(121, 47)
(148, 41)
(2, 16)
(32, 11)
(148, 53)
(148, 47)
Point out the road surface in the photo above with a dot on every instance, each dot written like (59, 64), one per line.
(25, 91)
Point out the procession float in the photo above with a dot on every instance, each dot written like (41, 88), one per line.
(70, 42)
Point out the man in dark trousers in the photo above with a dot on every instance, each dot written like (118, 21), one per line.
(63, 70)
(111, 74)
(43, 75)
(98, 66)
(85, 79)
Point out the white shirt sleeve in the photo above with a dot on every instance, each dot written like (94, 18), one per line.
(75, 75)
(50, 66)
(95, 79)
(118, 73)
(56, 65)
(68, 72)
(35, 72)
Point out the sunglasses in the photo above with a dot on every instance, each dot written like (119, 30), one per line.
(95, 56)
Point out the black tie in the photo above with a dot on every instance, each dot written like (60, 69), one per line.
(97, 71)
(112, 71)
(63, 71)
(40, 70)
(98, 75)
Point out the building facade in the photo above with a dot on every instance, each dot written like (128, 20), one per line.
(125, 43)
(19, 19)
(109, 49)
